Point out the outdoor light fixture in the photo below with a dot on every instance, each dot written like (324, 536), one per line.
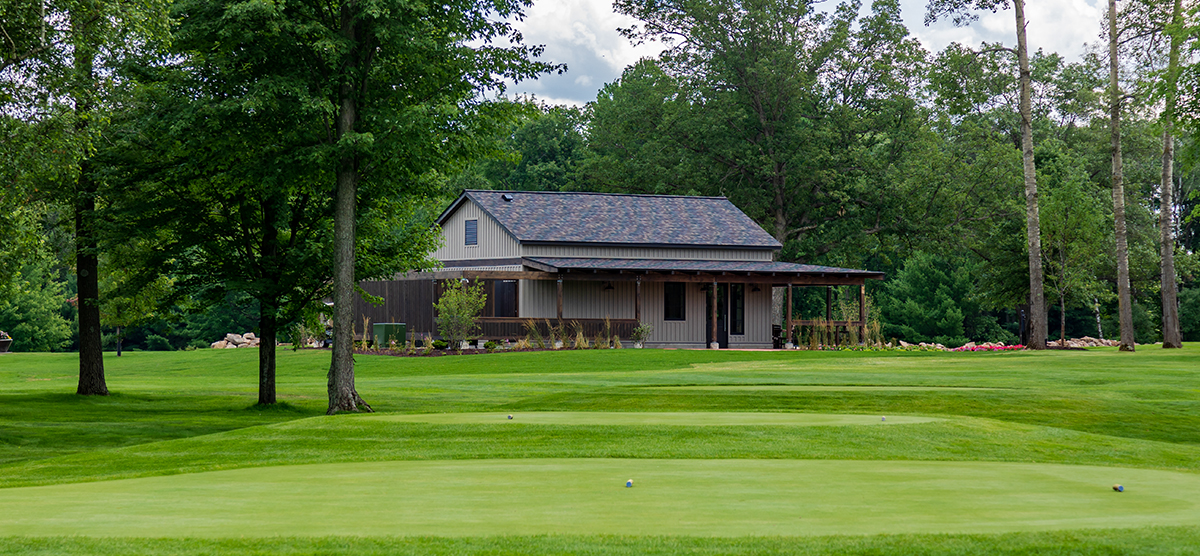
(608, 286)
(756, 288)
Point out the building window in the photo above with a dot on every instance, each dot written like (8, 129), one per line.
(674, 293)
(738, 302)
(472, 232)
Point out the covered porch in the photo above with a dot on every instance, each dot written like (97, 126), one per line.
(714, 285)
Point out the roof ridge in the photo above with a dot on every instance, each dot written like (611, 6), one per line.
(600, 193)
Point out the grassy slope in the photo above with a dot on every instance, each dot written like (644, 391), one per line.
(1096, 407)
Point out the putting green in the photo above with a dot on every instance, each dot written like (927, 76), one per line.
(588, 496)
(625, 418)
(816, 388)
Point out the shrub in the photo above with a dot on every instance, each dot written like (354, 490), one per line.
(440, 344)
(642, 332)
(1189, 314)
(154, 342)
(457, 310)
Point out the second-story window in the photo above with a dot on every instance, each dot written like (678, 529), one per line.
(472, 232)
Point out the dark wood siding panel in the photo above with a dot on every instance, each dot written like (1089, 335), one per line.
(407, 301)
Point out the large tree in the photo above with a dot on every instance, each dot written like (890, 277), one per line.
(1156, 34)
(57, 65)
(1116, 98)
(400, 76)
(226, 179)
(963, 12)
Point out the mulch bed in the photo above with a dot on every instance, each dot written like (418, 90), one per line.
(442, 352)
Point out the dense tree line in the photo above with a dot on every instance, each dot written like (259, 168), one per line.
(854, 146)
(183, 169)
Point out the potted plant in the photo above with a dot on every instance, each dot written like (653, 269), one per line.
(641, 334)
(5, 341)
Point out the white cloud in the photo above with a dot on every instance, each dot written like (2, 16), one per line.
(583, 35)
(1061, 26)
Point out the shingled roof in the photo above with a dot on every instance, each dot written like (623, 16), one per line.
(537, 217)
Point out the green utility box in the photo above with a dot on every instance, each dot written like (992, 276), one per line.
(385, 332)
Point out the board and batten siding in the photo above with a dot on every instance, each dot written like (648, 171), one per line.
(493, 241)
(584, 251)
(581, 300)
(758, 320)
(589, 300)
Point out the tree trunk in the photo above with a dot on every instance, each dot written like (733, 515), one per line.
(91, 355)
(119, 340)
(1037, 298)
(267, 334)
(342, 395)
(1062, 321)
(1172, 337)
(1118, 187)
(268, 303)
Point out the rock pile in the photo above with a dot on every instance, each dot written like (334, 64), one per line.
(1085, 342)
(234, 341)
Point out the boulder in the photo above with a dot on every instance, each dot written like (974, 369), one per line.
(249, 336)
(231, 346)
(236, 339)
(219, 344)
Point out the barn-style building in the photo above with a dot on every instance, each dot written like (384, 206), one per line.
(583, 257)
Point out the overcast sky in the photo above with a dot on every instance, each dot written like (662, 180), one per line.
(583, 35)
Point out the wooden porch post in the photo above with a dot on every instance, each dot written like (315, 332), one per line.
(828, 303)
(637, 301)
(829, 313)
(560, 298)
(715, 344)
(862, 312)
(788, 324)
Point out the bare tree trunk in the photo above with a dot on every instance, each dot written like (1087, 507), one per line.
(1118, 186)
(342, 395)
(1037, 298)
(1172, 337)
(91, 355)
(268, 331)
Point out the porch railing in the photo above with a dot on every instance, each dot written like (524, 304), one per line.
(512, 328)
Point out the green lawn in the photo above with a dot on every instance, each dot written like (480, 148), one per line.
(1129, 418)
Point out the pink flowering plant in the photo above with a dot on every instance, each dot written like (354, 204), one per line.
(4, 335)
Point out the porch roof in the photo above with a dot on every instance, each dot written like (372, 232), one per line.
(658, 270)
(760, 268)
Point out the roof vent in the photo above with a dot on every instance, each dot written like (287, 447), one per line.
(507, 198)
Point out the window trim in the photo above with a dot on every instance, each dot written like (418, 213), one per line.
(471, 233)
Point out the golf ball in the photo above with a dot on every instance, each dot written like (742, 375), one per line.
(629, 483)
(1119, 488)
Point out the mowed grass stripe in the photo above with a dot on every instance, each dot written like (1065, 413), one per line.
(1145, 541)
(360, 438)
(650, 418)
(588, 496)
